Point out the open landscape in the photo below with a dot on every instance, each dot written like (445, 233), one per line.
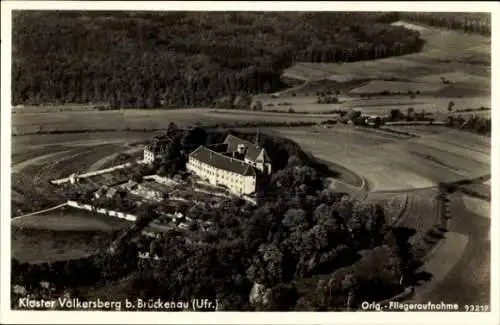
(334, 174)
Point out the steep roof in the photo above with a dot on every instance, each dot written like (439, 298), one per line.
(221, 161)
(253, 150)
(218, 147)
(157, 145)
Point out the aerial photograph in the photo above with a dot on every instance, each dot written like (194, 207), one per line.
(250, 161)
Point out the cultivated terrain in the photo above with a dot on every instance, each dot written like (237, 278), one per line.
(400, 167)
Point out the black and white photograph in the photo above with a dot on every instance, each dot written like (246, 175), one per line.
(252, 158)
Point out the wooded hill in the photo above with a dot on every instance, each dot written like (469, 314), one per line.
(183, 59)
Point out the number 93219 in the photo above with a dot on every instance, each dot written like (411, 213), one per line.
(476, 308)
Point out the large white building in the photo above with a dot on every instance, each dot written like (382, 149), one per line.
(235, 164)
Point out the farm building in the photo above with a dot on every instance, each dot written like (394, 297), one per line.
(155, 150)
(153, 190)
(235, 164)
(372, 119)
(130, 185)
(105, 191)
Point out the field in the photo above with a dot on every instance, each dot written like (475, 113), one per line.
(39, 245)
(398, 171)
(70, 219)
(376, 105)
(452, 66)
(421, 211)
(393, 162)
(444, 52)
(462, 262)
(394, 204)
(378, 86)
(30, 122)
(478, 206)
(36, 161)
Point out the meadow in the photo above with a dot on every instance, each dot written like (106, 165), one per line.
(40, 245)
(394, 162)
(375, 105)
(462, 261)
(136, 119)
(70, 219)
(444, 51)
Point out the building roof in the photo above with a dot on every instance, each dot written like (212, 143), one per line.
(253, 150)
(112, 192)
(218, 147)
(157, 145)
(153, 186)
(221, 161)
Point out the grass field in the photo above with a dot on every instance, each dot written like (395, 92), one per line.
(394, 162)
(462, 263)
(70, 219)
(394, 204)
(462, 60)
(31, 122)
(27, 143)
(478, 206)
(378, 86)
(444, 52)
(380, 105)
(37, 162)
(421, 210)
(41, 245)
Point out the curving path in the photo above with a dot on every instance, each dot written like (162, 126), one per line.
(40, 211)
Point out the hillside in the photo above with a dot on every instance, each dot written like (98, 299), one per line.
(182, 59)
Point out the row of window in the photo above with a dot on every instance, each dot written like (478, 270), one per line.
(211, 170)
(230, 179)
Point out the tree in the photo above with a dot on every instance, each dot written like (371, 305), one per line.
(146, 215)
(350, 284)
(451, 104)
(173, 70)
(283, 297)
(243, 101)
(172, 129)
(195, 137)
(294, 161)
(395, 114)
(256, 105)
(137, 177)
(353, 115)
(410, 114)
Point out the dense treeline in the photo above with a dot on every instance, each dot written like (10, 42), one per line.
(479, 23)
(472, 123)
(175, 59)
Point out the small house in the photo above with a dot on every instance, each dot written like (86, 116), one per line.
(101, 192)
(130, 185)
(111, 193)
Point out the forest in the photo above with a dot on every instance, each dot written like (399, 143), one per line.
(184, 59)
(468, 22)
